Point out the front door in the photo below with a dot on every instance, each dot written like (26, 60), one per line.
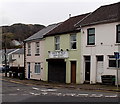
(87, 69)
(100, 68)
(73, 71)
(28, 70)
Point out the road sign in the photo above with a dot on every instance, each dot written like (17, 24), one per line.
(117, 56)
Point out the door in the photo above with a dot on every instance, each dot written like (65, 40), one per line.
(28, 70)
(100, 68)
(73, 71)
(87, 69)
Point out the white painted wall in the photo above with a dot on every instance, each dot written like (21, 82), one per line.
(19, 60)
(106, 34)
(35, 59)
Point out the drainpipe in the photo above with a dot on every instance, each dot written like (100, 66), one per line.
(24, 58)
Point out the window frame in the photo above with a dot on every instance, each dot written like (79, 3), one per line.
(37, 65)
(37, 48)
(111, 58)
(73, 41)
(88, 36)
(57, 43)
(29, 48)
(117, 32)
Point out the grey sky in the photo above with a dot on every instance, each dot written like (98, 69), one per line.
(45, 12)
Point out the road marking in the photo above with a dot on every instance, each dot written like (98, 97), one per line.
(32, 93)
(35, 88)
(44, 93)
(85, 95)
(18, 89)
(45, 90)
(112, 96)
(58, 94)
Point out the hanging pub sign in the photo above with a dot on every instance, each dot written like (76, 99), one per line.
(58, 54)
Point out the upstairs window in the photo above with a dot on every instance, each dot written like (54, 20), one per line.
(91, 36)
(37, 68)
(118, 33)
(57, 42)
(73, 41)
(37, 48)
(29, 48)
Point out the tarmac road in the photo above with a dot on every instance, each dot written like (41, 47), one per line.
(16, 92)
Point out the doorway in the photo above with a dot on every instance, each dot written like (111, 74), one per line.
(73, 71)
(100, 67)
(57, 70)
(87, 69)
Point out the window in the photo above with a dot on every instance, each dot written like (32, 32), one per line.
(112, 61)
(37, 67)
(91, 36)
(37, 48)
(118, 34)
(57, 43)
(73, 41)
(29, 48)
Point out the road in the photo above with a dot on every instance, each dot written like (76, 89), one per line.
(15, 92)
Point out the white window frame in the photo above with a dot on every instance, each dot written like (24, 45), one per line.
(73, 41)
(57, 43)
(37, 67)
(111, 59)
(37, 49)
(29, 48)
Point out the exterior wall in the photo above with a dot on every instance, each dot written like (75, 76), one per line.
(105, 44)
(35, 59)
(19, 60)
(74, 55)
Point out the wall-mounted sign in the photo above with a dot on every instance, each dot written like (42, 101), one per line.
(58, 54)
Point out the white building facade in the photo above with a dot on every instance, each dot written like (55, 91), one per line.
(100, 38)
(96, 59)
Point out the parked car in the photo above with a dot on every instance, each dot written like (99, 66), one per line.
(3, 68)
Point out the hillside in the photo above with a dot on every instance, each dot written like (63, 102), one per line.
(18, 32)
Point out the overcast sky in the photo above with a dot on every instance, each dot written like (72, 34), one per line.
(45, 12)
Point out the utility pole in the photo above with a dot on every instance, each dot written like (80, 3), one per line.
(5, 53)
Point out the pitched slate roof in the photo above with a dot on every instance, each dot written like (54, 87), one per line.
(67, 26)
(41, 33)
(104, 14)
(20, 51)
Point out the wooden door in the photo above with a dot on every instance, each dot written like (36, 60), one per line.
(73, 71)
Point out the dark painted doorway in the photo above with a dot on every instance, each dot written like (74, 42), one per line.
(28, 70)
(87, 69)
(73, 71)
(57, 70)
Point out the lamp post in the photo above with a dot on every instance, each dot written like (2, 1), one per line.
(117, 66)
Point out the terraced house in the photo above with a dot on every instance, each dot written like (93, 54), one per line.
(100, 38)
(62, 52)
(34, 54)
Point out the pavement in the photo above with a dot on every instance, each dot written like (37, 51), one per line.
(98, 87)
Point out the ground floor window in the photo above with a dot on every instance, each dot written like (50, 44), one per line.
(112, 61)
(37, 68)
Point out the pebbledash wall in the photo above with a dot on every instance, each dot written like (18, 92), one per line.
(105, 45)
(73, 55)
(32, 59)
